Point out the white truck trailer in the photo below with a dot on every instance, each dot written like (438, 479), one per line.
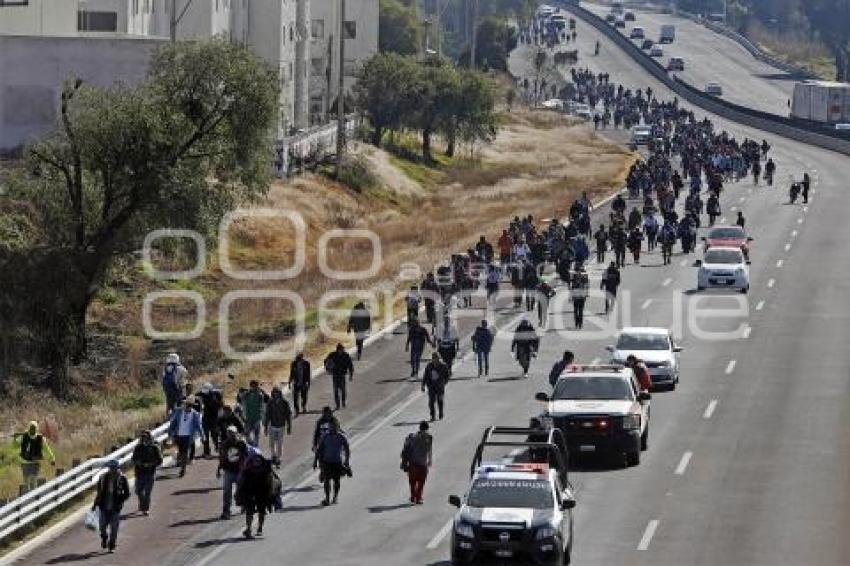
(821, 101)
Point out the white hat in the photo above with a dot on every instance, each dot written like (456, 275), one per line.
(172, 359)
(207, 387)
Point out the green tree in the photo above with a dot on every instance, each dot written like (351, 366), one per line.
(496, 39)
(436, 92)
(398, 28)
(178, 151)
(472, 117)
(386, 91)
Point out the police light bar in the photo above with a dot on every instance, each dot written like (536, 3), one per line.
(580, 368)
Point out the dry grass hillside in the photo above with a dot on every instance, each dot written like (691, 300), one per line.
(538, 163)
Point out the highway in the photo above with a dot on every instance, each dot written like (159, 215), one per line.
(748, 460)
(711, 57)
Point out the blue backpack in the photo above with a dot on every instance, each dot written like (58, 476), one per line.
(169, 379)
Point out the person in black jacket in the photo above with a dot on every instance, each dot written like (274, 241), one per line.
(434, 379)
(147, 457)
(360, 323)
(338, 363)
(610, 283)
(277, 417)
(230, 456)
(112, 491)
(227, 417)
(417, 337)
(211, 403)
(299, 381)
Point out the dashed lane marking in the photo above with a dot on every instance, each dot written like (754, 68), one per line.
(760, 305)
(667, 282)
(730, 367)
(651, 527)
(441, 534)
(771, 283)
(646, 304)
(780, 262)
(683, 463)
(709, 411)
(788, 247)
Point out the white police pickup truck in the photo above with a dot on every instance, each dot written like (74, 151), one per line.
(601, 411)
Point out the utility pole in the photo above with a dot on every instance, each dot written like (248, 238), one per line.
(474, 33)
(340, 97)
(175, 19)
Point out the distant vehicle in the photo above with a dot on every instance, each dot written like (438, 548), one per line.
(553, 104)
(617, 7)
(629, 16)
(583, 111)
(519, 507)
(656, 51)
(842, 127)
(647, 44)
(676, 64)
(668, 34)
(821, 101)
(723, 268)
(657, 349)
(610, 18)
(601, 411)
(545, 11)
(641, 135)
(637, 33)
(620, 23)
(719, 18)
(714, 89)
(728, 237)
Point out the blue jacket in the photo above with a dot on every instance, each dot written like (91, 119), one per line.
(174, 426)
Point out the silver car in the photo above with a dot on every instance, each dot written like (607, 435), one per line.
(655, 347)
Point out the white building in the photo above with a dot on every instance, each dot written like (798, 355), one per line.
(361, 42)
(267, 26)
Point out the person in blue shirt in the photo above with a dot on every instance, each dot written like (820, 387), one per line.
(184, 427)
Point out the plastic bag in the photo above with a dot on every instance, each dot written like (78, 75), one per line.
(92, 520)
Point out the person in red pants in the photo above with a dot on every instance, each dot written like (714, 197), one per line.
(416, 459)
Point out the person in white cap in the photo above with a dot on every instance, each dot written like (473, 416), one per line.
(173, 377)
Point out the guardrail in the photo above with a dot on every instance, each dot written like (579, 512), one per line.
(799, 130)
(314, 143)
(24, 510)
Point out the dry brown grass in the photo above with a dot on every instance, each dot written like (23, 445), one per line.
(806, 53)
(538, 163)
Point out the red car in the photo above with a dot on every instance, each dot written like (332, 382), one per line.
(728, 236)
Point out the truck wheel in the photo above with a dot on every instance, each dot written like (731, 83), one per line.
(644, 440)
(633, 459)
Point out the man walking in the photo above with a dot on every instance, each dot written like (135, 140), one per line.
(33, 448)
(211, 403)
(360, 323)
(277, 418)
(416, 459)
(448, 341)
(417, 337)
(434, 379)
(112, 491)
(333, 455)
(610, 283)
(579, 295)
(230, 456)
(253, 408)
(299, 381)
(559, 368)
(482, 343)
(184, 427)
(338, 363)
(173, 378)
(147, 457)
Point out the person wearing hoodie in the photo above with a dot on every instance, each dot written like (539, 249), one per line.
(211, 404)
(299, 381)
(147, 457)
(277, 418)
(173, 379)
(360, 323)
(112, 491)
(33, 448)
(184, 427)
(230, 455)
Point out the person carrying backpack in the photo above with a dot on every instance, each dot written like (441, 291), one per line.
(173, 378)
(147, 457)
(333, 455)
(33, 448)
(112, 491)
(416, 458)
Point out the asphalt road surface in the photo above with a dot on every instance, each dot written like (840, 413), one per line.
(711, 57)
(748, 460)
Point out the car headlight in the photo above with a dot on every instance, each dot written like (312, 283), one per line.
(464, 529)
(631, 422)
(545, 532)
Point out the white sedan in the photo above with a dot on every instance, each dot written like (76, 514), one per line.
(723, 267)
(657, 349)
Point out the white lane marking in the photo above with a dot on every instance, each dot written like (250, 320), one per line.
(651, 527)
(800, 220)
(441, 534)
(805, 209)
(667, 282)
(780, 262)
(742, 199)
(683, 263)
(734, 208)
(723, 220)
(595, 361)
(683, 463)
(760, 305)
(747, 331)
(787, 247)
(730, 367)
(646, 304)
(794, 233)
(709, 411)
(771, 283)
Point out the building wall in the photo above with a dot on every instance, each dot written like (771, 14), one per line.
(361, 23)
(34, 69)
(39, 17)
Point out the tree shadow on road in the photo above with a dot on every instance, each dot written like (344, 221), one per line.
(65, 558)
